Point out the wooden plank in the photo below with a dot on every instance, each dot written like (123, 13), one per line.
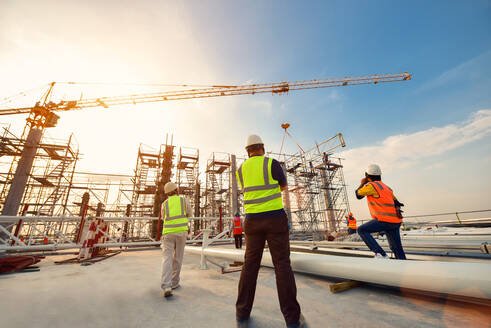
(342, 286)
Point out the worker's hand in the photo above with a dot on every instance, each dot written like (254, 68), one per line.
(364, 181)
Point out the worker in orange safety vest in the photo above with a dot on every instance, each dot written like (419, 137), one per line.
(351, 222)
(386, 213)
(238, 229)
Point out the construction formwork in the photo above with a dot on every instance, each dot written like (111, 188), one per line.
(51, 176)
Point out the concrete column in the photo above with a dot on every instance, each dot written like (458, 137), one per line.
(22, 173)
(19, 182)
(234, 192)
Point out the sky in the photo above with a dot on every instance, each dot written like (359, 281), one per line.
(431, 135)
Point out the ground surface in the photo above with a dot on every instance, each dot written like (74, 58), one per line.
(124, 291)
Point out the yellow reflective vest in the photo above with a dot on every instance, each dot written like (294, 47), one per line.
(262, 193)
(173, 212)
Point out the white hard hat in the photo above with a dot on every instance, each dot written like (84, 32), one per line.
(374, 169)
(253, 139)
(170, 187)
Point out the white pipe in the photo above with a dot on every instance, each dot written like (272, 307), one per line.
(462, 279)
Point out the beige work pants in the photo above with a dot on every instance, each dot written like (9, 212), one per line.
(173, 251)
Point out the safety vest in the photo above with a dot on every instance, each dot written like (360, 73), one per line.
(382, 208)
(173, 212)
(262, 193)
(351, 222)
(237, 226)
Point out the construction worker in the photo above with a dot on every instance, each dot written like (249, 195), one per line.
(325, 158)
(262, 179)
(351, 222)
(237, 230)
(174, 212)
(385, 211)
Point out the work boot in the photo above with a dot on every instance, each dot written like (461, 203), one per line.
(300, 324)
(168, 292)
(380, 256)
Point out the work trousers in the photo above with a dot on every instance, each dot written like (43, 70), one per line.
(393, 237)
(238, 241)
(351, 231)
(275, 231)
(173, 251)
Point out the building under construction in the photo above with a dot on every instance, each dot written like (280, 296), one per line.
(316, 201)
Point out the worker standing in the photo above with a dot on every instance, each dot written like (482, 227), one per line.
(385, 211)
(262, 179)
(351, 222)
(174, 212)
(238, 230)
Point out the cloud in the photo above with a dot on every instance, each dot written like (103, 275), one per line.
(410, 162)
(406, 150)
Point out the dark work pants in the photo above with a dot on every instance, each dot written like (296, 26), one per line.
(238, 241)
(351, 231)
(393, 237)
(275, 231)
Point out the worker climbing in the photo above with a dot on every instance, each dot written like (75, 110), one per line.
(385, 211)
(262, 179)
(174, 212)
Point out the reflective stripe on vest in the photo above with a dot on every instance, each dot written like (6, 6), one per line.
(383, 208)
(261, 192)
(351, 223)
(174, 215)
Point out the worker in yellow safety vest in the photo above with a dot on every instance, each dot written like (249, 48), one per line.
(385, 210)
(351, 222)
(262, 179)
(174, 213)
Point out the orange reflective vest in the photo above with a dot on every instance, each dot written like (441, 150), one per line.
(237, 226)
(351, 222)
(382, 208)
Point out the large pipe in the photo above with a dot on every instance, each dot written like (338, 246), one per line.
(462, 279)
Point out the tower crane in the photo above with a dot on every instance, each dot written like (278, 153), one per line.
(42, 115)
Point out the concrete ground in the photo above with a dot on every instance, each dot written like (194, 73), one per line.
(124, 291)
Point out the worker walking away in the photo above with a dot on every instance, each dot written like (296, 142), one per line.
(238, 230)
(262, 179)
(351, 222)
(385, 211)
(174, 212)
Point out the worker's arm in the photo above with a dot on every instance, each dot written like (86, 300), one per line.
(278, 174)
(366, 189)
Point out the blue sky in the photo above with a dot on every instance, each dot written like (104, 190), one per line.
(432, 133)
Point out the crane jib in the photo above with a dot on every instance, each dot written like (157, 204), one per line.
(208, 92)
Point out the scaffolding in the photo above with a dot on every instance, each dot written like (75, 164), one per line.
(187, 176)
(318, 201)
(51, 177)
(147, 175)
(217, 192)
